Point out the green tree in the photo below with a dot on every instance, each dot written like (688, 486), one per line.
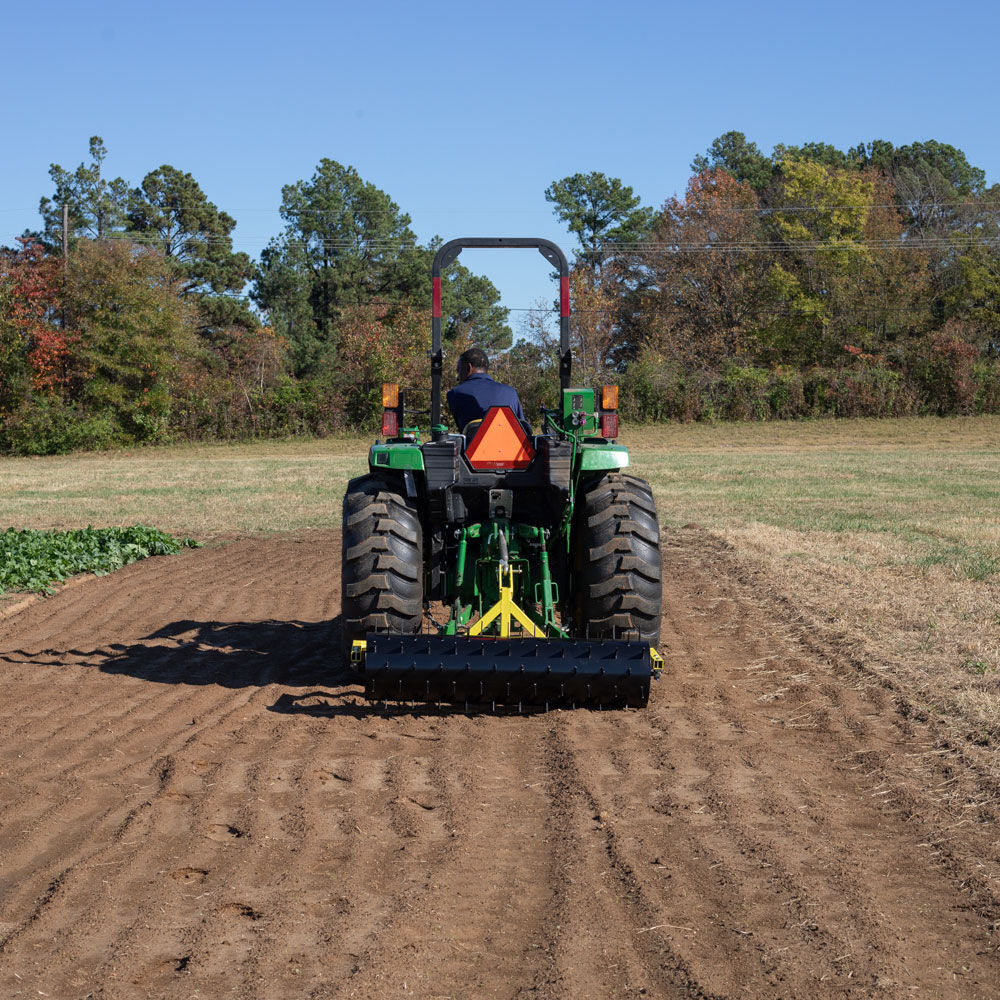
(741, 159)
(133, 333)
(843, 279)
(97, 207)
(599, 210)
(814, 152)
(946, 207)
(973, 289)
(877, 153)
(933, 181)
(345, 243)
(170, 213)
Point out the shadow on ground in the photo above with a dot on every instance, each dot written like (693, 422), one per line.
(232, 654)
(304, 655)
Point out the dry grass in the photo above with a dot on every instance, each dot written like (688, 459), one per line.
(884, 532)
(207, 491)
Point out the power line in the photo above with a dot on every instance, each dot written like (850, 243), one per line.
(763, 246)
(765, 210)
(768, 210)
(795, 246)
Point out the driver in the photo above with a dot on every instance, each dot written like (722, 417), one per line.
(476, 392)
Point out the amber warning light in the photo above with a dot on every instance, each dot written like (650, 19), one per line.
(500, 442)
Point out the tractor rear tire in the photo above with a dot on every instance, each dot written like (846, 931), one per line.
(617, 560)
(382, 568)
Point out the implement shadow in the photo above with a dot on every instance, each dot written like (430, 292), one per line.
(325, 705)
(233, 654)
(304, 655)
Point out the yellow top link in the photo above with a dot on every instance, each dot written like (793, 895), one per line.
(506, 608)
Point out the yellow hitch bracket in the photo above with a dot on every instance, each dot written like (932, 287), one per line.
(655, 663)
(506, 609)
(358, 649)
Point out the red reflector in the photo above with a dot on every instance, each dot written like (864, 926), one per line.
(609, 425)
(390, 423)
(564, 296)
(436, 300)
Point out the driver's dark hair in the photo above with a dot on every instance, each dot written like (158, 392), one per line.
(475, 357)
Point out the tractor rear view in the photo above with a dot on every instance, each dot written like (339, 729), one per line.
(540, 552)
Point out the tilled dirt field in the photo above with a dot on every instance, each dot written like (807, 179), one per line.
(194, 802)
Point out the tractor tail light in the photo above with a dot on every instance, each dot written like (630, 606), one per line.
(609, 426)
(390, 395)
(609, 397)
(390, 423)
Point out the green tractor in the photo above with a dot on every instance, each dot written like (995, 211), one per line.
(496, 566)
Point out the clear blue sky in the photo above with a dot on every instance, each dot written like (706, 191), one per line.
(465, 112)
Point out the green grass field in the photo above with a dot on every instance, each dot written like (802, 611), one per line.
(926, 491)
(887, 531)
(210, 491)
(928, 488)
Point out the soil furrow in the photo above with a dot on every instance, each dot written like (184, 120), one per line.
(195, 801)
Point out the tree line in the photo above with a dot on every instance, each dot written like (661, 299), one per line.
(808, 282)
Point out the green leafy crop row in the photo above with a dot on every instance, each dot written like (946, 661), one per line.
(35, 560)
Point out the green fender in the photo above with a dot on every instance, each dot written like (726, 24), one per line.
(598, 457)
(396, 456)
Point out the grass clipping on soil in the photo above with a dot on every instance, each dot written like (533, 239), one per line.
(35, 560)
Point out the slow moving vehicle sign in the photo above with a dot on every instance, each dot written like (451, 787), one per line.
(500, 442)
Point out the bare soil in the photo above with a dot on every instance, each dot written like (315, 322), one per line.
(195, 802)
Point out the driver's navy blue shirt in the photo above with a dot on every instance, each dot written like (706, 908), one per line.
(470, 400)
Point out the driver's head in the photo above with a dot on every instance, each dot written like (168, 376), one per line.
(470, 361)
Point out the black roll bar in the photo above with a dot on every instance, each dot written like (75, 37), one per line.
(445, 255)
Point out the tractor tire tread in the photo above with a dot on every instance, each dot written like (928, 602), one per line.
(381, 560)
(617, 541)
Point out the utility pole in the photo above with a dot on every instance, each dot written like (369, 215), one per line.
(65, 238)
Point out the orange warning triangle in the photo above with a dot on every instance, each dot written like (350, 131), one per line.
(500, 442)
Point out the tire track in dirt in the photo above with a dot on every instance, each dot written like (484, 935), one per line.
(194, 801)
(602, 913)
